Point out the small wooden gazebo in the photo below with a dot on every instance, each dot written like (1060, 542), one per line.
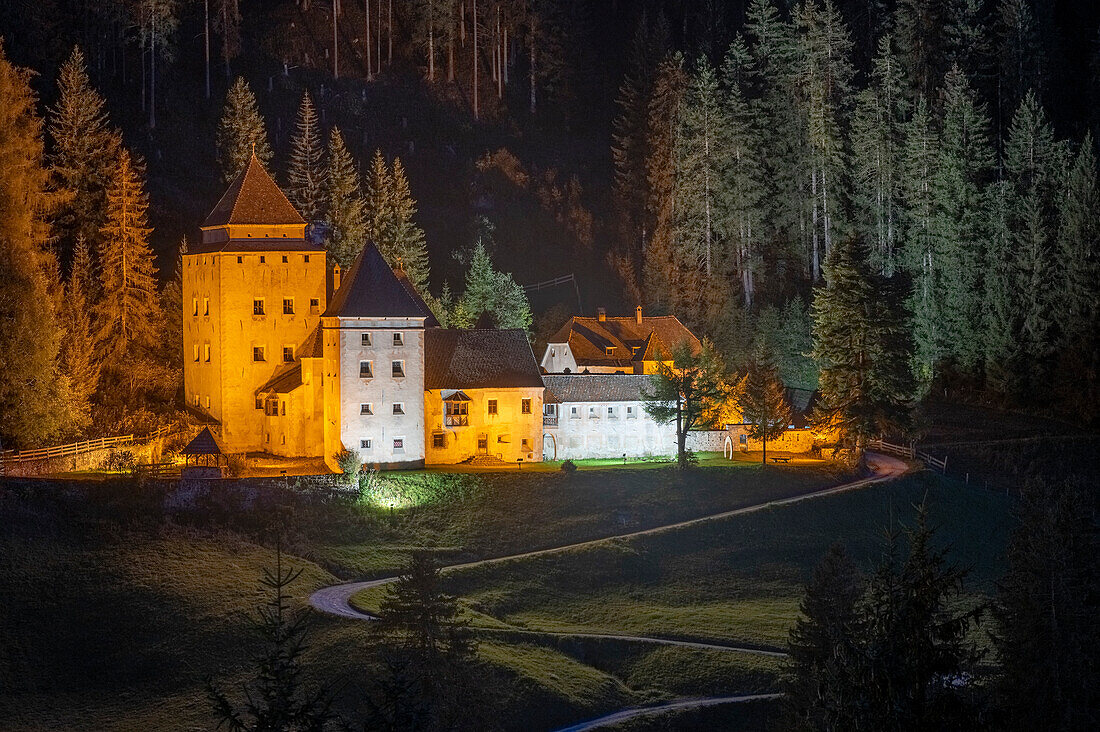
(203, 457)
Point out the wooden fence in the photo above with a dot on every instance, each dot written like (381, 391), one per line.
(79, 448)
(910, 452)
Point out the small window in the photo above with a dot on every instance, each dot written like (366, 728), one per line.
(744, 439)
(206, 306)
(240, 260)
(366, 369)
(206, 352)
(492, 406)
(399, 444)
(206, 401)
(398, 408)
(525, 445)
(194, 306)
(196, 350)
(288, 354)
(258, 306)
(366, 409)
(525, 406)
(306, 259)
(314, 304)
(283, 410)
(285, 259)
(364, 444)
(592, 413)
(259, 402)
(630, 413)
(262, 259)
(611, 411)
(398, 369)
(196, 400)
(573, 414)
(439, 440)
(398, 339)
(365, 342)
(609, 350)
(258, 353)
(288, 306)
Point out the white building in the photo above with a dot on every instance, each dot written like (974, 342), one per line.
(601, 416)
(616, 345)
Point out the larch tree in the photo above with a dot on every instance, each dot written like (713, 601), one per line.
(78, 351)
(34, 391)
(763, 404)
(127, 310)
(862, 344)
(241, 131)
(306, 170)
(85, 149)
(344, 200)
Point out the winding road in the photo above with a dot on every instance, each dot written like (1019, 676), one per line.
(336, 599)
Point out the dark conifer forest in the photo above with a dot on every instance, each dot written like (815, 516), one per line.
(694, 157)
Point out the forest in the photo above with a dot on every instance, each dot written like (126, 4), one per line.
(708, 159)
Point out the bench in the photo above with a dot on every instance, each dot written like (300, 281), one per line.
(781, 459)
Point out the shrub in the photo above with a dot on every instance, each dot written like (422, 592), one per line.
(236, 465)
(350, 463)
(119, 461)
(568, 467)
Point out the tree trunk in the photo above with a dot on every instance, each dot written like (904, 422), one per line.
(764, 456)
(335, 44)
(681, 435)
(153, 73)
(378, 37)
(389, 33)
(474, 63)
(206, 41)
(366, 40)
(431, 41)
(534, 35)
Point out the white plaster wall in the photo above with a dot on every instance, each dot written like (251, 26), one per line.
(383, 390)
(584, 436)
(558, 358)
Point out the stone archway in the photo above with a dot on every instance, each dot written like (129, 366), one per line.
(549, 446)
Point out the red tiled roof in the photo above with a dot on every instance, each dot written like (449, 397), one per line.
(588, 338)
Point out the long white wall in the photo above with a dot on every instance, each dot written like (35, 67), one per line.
(588, 430)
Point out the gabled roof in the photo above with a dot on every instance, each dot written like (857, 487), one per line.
(283, 382)
(253, 198)
(588, 338)
(596, 387)
(371, 289)
(478, 359)
(203, 444)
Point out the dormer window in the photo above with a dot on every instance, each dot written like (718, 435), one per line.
(609, 350)
(398, 339)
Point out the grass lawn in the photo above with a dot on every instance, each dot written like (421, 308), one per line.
(739, 579)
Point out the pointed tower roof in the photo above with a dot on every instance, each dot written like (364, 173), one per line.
(371, 289)
(253, 198)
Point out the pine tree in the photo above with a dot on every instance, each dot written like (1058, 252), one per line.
(418, 617)
(959, 219)
(861, 342)
(797, 368)
(1046, 635)
(763, 404)
(78, 351)
(822, 648)
(306, 173)
(84, 152)
(127, 310)
(920, 256)
(877, 176)
(241, 132)
(34, 394)
(403, 239)
(344, 200)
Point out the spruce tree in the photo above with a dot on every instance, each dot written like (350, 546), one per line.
(306, 172)
(1046, 635)
(919, 25)
(84, 152)
(241, 132)
(418, 617)
(34, 394)
(344, 200)
(403, 239)
(127, 310)
(764, 405)
(378, 191)
(78, 351)
(862, 344)
(490, 292)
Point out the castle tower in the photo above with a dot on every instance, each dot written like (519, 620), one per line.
(254, 289)
(373, 334)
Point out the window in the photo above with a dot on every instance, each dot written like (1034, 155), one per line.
(635, 350)
(366, 369)
(283, 410)
(398, 339)
(258, 353)
(195, 400)
(206, 401)
(492, 406)
(398, 369)
(259, 402)
(365, 342)
(285, 259)
(194, 306)
(288, 306)
(314, 305)
(630, 413)
(206, 306)
(611, 413)
(258, 306)
(307, 259)
(525, 406)
(196, 349)
(439, 440)
(592, 413)
(744, 439)
(399, 444)
(550, 409)
(262, 259)
(525, 445)
(240, 260)
(288, 354)
(457, 414)
(366, 409)
(609, 350)
(206, 352)
(398, 408)
(364, 444)
(573, 414)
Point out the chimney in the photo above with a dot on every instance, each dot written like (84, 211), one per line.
(638, 315)
(335, 278)
(601, 314)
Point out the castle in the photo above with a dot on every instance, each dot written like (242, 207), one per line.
(286, 355)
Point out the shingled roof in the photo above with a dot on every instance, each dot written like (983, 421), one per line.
(478, 359)
(370, 289)
(253, 198)
(203, 444)
(283, 382)
(589, 338)
(596, 387)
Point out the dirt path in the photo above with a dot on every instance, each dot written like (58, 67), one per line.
(625, 714)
